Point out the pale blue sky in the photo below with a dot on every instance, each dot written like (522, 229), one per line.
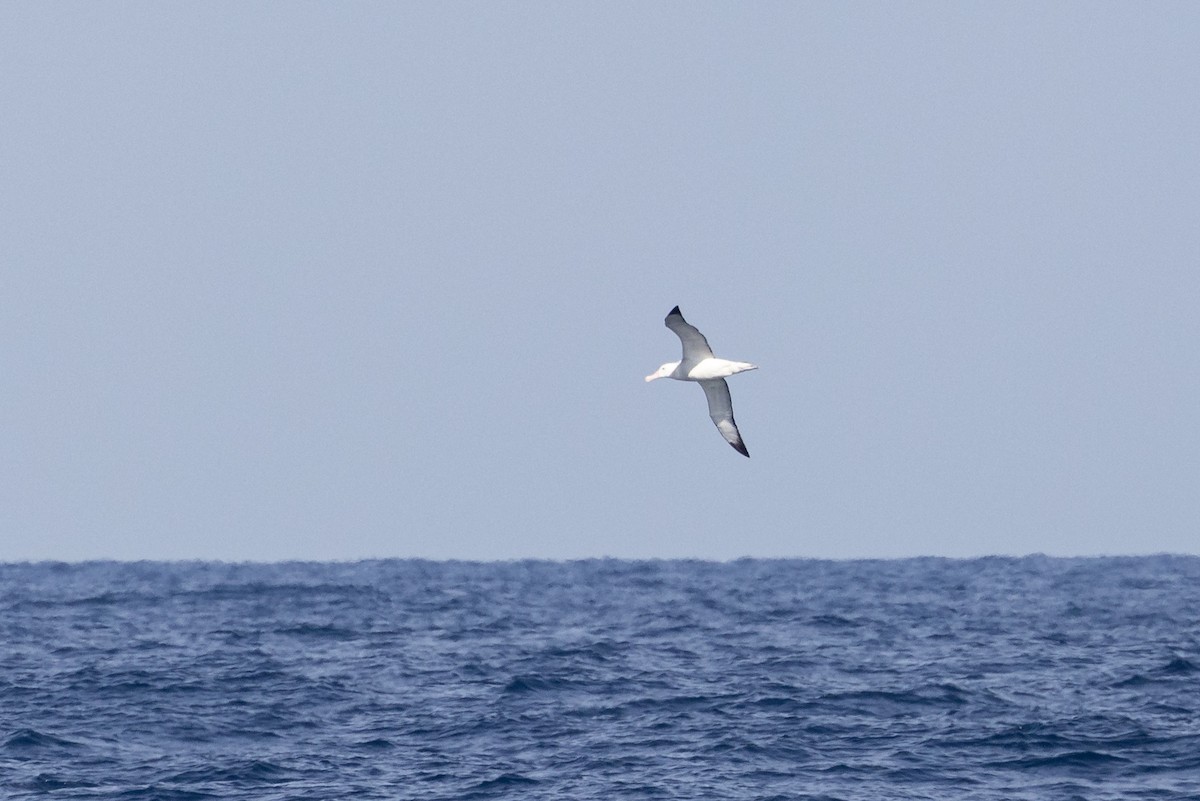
(331, 281)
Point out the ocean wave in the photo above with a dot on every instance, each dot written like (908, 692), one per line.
(912, 679)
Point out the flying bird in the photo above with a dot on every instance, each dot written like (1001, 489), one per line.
(698, 364)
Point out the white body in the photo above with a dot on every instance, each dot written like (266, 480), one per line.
(704, 370)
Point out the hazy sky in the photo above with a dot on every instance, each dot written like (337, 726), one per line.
(331, 281)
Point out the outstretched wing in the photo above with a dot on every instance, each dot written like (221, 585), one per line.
(695, 346)
(720, 409)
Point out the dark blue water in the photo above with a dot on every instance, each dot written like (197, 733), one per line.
(1030, 678)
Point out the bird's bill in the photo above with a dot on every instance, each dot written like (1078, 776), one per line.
(652, 376)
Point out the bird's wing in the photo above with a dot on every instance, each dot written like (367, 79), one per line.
(695, 346)
(720, 409)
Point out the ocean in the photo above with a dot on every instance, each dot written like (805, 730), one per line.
(995, 678)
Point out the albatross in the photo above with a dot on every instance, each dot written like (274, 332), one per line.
(698, 364)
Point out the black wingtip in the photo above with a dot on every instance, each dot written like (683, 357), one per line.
(740, 448)
(675, 311)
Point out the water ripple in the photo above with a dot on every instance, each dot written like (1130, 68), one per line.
(991, 679)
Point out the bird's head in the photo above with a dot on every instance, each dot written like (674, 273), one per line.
(663, 371)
